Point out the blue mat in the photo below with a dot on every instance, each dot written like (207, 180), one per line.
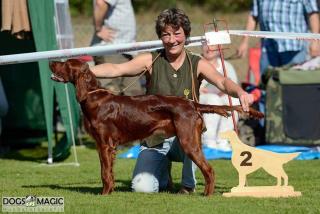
(307, 153)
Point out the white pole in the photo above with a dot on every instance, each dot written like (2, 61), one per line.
(141, 46)
(93, 51)
(276, 35)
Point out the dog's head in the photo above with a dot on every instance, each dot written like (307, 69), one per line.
(68, 71)
(228, 135)
(76, 72)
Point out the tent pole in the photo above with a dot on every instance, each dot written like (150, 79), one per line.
(71, 126)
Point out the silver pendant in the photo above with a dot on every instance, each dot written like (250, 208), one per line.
(175, 75)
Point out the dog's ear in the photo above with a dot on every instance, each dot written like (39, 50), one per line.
(81, 88)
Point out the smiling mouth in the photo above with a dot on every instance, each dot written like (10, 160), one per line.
(174, 46)
(57, 78)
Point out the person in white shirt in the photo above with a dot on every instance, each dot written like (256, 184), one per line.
(210, 94)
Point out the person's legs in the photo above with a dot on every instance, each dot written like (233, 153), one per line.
(209, 137)
(151, 171)
(114, 84)
(130, 85)
(293, 57)
(276, 59)
(226, 124)
(104, 82)
(188, 169)
(133, 84)
(268, 58)
(264, 62)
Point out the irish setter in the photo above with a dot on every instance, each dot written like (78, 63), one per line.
(115, 120)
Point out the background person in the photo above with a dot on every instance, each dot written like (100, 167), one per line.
(210, 94)
(172, 71)
(283, 16)
(114, 23)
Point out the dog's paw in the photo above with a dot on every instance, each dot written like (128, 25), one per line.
(223, 112)
(252, 113)
(255, 114)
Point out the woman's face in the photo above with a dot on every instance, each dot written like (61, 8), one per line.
(173, 40)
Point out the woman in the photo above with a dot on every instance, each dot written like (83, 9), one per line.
(169, 73)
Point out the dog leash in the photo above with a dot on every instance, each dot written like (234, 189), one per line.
(137, 77)
(100, 89)
(193, 87)
(194, 97)
(225, 75)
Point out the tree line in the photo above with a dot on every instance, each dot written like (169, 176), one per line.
(84, 7)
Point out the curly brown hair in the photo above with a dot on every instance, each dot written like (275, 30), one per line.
(175, 18)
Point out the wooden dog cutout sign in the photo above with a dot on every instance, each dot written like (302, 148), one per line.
(247, 159)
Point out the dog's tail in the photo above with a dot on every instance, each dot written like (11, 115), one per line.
(286, 157)
(225, 110)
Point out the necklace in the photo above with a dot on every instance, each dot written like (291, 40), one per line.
(176, 67)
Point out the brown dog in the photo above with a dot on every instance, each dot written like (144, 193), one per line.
(115, 120)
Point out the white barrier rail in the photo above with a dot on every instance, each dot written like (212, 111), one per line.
(93, 51)
(276, 35)
(140, 46)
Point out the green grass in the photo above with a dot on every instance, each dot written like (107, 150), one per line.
(23, 174)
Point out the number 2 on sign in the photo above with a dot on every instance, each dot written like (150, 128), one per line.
(246, 161)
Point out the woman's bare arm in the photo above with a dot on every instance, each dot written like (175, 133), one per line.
(130, 68)
(224, 84)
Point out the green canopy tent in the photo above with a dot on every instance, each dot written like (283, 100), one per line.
(31, 92)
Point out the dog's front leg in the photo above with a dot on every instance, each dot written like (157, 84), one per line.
(107, 155)
(242, 179)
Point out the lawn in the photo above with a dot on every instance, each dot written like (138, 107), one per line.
(22, 173)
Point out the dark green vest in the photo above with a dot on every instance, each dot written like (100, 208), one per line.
(164, 80)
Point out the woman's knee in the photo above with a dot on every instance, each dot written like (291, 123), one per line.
(145, 182)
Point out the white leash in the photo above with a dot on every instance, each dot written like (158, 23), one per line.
(143, 46)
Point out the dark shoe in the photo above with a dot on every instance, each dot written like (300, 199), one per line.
(186, 190)
(170, 185)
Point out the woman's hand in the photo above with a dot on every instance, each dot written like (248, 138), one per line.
(246, 100)
(106, 34)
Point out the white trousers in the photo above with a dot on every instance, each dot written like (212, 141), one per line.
(216, 123)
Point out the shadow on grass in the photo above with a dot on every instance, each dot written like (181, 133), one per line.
(31, 153)
(125, 186)
(90, 144)
(219, 188)
(222, 189)
(38, 152)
